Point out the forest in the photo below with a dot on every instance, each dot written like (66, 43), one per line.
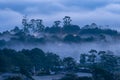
(102, 64)
(40, 61)
(34, 32)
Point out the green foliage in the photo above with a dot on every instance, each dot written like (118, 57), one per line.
(2, 43)
(71, 29)
(82, 58)
(88, 39)
(72, 38)
(14, 78)
(27, 59)
(100, 74)
(99, 31)
(108, 61)
(69, 63)
(53, 30)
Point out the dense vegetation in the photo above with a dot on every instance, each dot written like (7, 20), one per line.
(27, 59)
(37, 62)
(103, 65)
(34, 31)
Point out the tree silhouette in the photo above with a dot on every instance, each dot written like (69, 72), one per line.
(93, 25)
(101, 52)
(66, 20)
(25, 24)
(32, 24)
(92, 56)
(40, 26)
(83, 58)
(57, 23)
(92, 51)
(69, 63)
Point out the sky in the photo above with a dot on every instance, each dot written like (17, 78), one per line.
(82, 12)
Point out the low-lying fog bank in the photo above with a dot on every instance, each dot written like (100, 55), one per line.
(70, 49)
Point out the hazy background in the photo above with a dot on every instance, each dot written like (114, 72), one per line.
(74, 50)
(82, 12)
(102, 12)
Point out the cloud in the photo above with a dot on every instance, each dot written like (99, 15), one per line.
(103, 12)
(114, 8)
(9, 19)
(45, 9)
(28, 1)
(103, 15)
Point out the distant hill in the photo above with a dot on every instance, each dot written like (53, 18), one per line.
(35, 32)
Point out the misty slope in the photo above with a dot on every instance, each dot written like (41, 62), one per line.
(67, 34)
(35, 32)
(66, 40)
(63, 43)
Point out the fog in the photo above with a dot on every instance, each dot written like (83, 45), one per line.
(71, 49)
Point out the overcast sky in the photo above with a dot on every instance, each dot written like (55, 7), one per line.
(102, 12)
